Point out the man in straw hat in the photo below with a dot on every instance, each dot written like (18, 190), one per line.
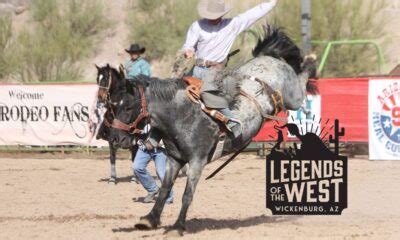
(210, 39)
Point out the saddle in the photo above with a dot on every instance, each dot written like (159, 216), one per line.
(193, 93)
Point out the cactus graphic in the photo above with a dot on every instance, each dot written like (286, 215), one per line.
(338, 134)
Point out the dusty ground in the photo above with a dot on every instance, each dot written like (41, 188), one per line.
(67, 199)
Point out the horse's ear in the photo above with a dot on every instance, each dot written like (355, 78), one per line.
(98, 68)
(122, 71)
(108, 65)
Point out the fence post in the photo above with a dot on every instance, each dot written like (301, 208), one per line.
(306, 25)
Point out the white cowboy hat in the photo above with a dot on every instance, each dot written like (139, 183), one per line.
(213, 9)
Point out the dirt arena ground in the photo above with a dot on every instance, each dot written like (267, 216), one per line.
(69, 199)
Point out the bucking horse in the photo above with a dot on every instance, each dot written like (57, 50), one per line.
(274, 80)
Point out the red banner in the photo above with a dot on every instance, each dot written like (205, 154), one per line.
(345, 99)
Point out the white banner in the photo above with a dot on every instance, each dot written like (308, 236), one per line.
(384, 119)
(45, 115)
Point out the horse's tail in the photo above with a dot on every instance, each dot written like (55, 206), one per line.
(275, 43)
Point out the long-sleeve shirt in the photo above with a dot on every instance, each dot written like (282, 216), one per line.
(213, 42)
(138, 67)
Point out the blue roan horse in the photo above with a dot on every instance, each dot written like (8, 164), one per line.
(191, 136)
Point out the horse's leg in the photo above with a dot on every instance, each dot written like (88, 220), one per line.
(193, 175)
(184, 169)
(133, 154)
(152, 220)
(113, 178)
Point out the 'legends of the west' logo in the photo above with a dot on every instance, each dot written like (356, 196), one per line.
(386, 122)
(308, 179)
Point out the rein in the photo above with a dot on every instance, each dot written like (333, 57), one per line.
(275, 96)
(132, 128)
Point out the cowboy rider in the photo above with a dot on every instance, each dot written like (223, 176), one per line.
(210, 39)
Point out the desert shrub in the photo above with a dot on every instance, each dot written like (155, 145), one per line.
(161, 25)
(6, 56)
(64, 32)
(339, 20)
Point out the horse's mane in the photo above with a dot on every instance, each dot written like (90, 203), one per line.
(161, 89)
(114, 71)
(108, 67)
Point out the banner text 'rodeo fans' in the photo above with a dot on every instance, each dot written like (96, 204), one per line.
(46, 114)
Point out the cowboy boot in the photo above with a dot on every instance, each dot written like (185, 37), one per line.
(234, 125)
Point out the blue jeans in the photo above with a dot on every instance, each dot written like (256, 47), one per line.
(200, 72)
(142, 159)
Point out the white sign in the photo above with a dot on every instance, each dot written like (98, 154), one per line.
(46, 114)
(384, 119)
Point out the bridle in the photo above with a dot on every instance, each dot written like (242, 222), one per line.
(110, 79)
(108, 99)
(132, 128)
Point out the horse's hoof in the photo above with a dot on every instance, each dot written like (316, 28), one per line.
(134, 180)
(173, 233)
(112, 181)
(144, 224)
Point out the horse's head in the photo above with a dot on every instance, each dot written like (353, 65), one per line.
(129, 119)
(107, 80)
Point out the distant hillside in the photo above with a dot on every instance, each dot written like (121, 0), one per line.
(110, 48)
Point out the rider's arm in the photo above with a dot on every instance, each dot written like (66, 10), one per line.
(191, 39)
(248, 18)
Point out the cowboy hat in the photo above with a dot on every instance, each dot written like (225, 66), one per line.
(213, 9)
(135, 48)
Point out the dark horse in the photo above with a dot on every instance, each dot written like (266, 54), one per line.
(112, 86)
(191, 136)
